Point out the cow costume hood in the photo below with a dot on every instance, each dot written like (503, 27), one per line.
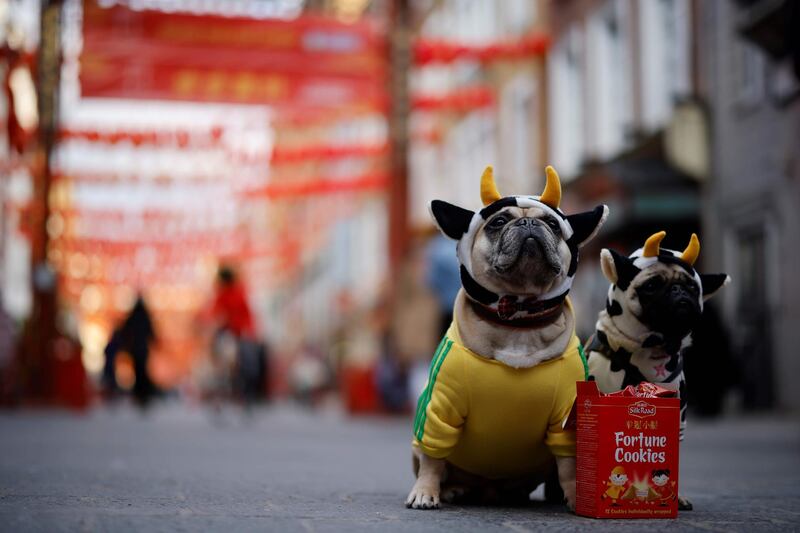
(621, 270)
(463, 225)
(625, 351)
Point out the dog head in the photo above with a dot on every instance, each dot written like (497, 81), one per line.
(658, 290)
(517, 246)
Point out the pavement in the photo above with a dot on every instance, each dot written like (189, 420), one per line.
(178, 468)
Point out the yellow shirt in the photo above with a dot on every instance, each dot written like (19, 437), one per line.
(494, 420)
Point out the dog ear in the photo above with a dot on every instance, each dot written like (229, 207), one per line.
(712, 283)
(607, 265)
(618, 269)
(586, 225)
(452, 220)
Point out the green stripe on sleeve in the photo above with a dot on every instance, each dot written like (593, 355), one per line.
(584, 361)
(429, 390)
(421, 400)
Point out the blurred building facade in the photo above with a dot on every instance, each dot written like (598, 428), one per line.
(681, 115)
(620, 77)
(750, 53)
(151, 194)
(664, 110)
(491, 96)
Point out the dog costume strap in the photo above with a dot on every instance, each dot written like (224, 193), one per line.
(513, 311)
(482, 295)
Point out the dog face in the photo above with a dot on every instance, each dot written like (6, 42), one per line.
(520, 250)
(669, 299)
(520, 245)
(658, 288)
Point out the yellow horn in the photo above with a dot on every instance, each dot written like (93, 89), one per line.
(691, 252)
(652, 245)
(552, 189)
(489, 192)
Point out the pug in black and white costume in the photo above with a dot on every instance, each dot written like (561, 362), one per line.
(654, 301)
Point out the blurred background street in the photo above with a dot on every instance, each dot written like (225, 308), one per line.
(221, 288)
(289, 469)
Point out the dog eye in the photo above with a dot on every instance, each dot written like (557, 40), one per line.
(653, 284)
(553, 223)
(498, 222)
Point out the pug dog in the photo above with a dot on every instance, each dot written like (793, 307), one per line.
(654, 301)
(489, 423)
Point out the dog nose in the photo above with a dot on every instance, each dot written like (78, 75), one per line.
(524, 221)
(677, 291)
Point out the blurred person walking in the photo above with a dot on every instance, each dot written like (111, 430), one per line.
(443, 277)
(231, 312)
(414, 332)
(135, 336)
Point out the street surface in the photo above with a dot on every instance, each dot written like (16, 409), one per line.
(286, 469)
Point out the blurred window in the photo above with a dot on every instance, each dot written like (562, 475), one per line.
(610, 99)
(753, 316)
(664, 58)
(749, 73)
(567, 126)
(519, 142)
(470, 145)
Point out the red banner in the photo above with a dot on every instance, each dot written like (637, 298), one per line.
(460, 100)
(309, 60)
(212, 139)
(437, 51)
(300, 189)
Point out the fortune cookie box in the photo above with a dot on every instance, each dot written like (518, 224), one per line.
(627, 451)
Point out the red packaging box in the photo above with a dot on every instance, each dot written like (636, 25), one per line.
(627, 452)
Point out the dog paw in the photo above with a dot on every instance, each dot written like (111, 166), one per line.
(684, 504)
(453, 493)
(423, 496)
(569, 494)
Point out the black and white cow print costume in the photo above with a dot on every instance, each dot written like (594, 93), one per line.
(462, 225)
(624, 351)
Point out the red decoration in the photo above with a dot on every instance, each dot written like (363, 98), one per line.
(310, 60)
(358, 388)
(461, 100)
(368, 182)
(428, 51)
(179, 138)
(212, 138)
(326, 151)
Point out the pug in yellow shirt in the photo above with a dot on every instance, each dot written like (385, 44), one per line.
(502, 380)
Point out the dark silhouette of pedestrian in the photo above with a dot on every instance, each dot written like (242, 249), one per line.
(135, 335)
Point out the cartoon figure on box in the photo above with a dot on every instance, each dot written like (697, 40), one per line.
(662, 491)
(617, 485)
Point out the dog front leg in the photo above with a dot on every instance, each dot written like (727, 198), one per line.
(425, 492)
(566, 478)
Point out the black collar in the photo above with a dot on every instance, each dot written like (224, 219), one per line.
(546, 313)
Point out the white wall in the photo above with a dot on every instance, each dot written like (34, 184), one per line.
(566, 77)
(610, 82)
(664, 58)
(520, 163)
